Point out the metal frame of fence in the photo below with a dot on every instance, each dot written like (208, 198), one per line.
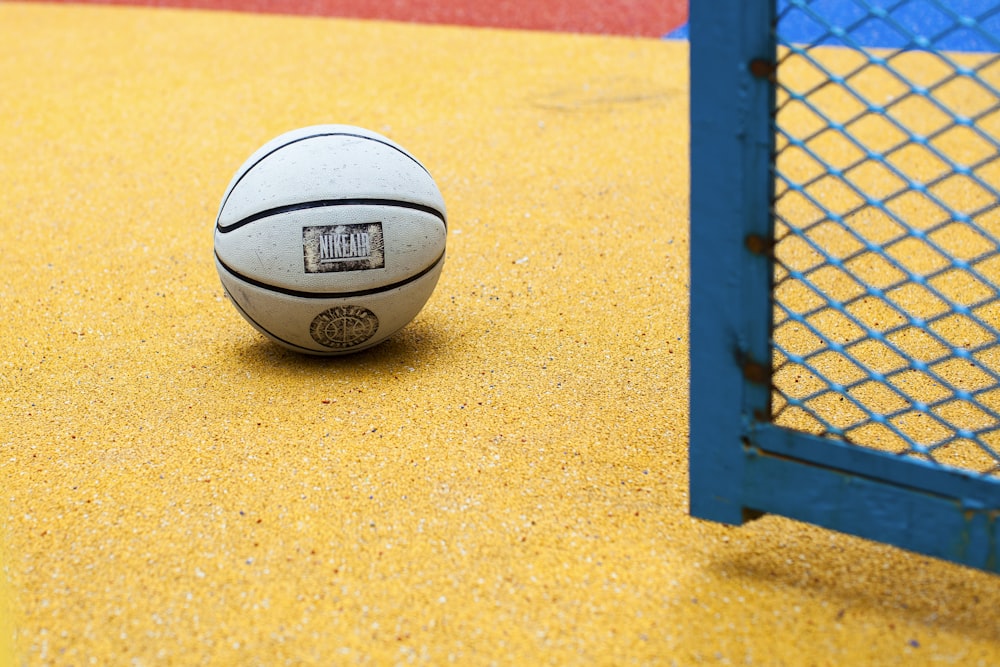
(742, 464)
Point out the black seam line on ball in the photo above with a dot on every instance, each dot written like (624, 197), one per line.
(306, 138)
(271, 333)
(322, 203)
(326, 295)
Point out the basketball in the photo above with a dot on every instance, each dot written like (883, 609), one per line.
(330, 239)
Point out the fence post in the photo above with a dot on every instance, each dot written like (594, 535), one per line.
(732, 99)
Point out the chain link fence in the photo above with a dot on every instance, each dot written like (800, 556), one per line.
(886, 330)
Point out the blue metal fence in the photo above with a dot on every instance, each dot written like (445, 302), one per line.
(845, 256)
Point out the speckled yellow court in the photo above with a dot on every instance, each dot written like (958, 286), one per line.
(504, 482)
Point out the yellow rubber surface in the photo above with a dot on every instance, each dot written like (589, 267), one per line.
(6, 612)
(503, 482)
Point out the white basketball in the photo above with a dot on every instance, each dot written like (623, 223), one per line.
(330, 239)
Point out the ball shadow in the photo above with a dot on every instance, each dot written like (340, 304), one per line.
(419, 342)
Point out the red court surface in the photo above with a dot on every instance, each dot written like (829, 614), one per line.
(639, 18)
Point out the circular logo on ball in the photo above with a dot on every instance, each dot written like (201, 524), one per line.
(342, 327)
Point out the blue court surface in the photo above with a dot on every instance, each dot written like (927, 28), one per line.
(953, 25)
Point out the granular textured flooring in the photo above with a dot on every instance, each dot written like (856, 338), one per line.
(503, 482)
